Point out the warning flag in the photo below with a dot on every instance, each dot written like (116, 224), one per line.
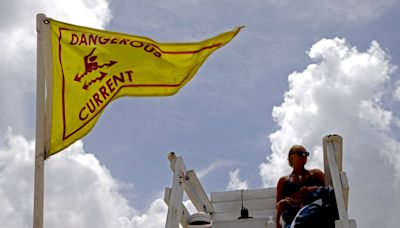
(91, 68)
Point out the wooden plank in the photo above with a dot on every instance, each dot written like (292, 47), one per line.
(345, 223)
(196, 193)
(248, 223)
(236, 214)
(353, 223)
(255, 204)
(338, 224)
(185, 213)
(262, 193)
(175, 209)
(337, 143)
(334, 176)
(345, 187)
(336, 182)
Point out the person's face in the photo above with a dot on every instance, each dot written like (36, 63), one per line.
(299, 157)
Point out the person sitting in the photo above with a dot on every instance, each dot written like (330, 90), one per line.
(292, 189)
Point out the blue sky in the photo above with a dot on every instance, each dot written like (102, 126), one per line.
(298, 71)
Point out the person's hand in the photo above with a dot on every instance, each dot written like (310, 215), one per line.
(283, 202)
(279, 207)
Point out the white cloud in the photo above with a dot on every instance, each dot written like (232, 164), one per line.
(16, 174)
(18, 46)
(154, 218)
(359, 11)
(235, 181)
(79, 191)
(214, 166)
(396, 93)
(342, 92)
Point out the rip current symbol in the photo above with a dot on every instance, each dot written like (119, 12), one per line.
(91, 64)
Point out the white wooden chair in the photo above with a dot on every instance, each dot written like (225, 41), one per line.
(225, 207)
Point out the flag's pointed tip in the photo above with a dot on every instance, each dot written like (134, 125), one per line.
(239, 28)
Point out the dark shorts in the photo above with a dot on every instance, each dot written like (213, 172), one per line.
(289, 213)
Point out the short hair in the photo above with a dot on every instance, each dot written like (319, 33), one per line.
(294, 149)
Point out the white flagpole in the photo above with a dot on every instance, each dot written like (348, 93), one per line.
(42, 38)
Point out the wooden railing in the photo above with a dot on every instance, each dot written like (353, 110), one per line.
(335, 177)
(184, 181)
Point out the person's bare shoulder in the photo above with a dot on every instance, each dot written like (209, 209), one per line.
(316, 172)
(282, 181)
(279, 187)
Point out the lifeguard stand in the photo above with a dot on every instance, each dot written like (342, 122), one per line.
(225, 209)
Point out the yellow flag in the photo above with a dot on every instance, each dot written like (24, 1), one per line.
(92, 67)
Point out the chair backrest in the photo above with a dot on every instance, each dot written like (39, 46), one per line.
(260, 203)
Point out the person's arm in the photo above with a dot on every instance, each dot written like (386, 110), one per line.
(280, 203)
(319, 177)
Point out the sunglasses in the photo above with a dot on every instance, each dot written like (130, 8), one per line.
(302, 153)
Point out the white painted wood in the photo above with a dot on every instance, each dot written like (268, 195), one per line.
(332, 146)
(241, 223)
(185, 213)
(337, 142)
(236, 214)
(342, 224)
(261, 203)
(199, 226)
(338, 224)
(175, 209)
(271, 222)
(196, 193)
(336, 182)
(248, 194)
(254, 204)
(345, 187)
(43, 56)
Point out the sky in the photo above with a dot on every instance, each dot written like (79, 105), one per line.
(298, 71)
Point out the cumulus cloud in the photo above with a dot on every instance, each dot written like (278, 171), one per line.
(79, 191)
(18, 46)
(16, 185)
(235, 181)
(82, 192)
(342, 92)
(154, 218)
